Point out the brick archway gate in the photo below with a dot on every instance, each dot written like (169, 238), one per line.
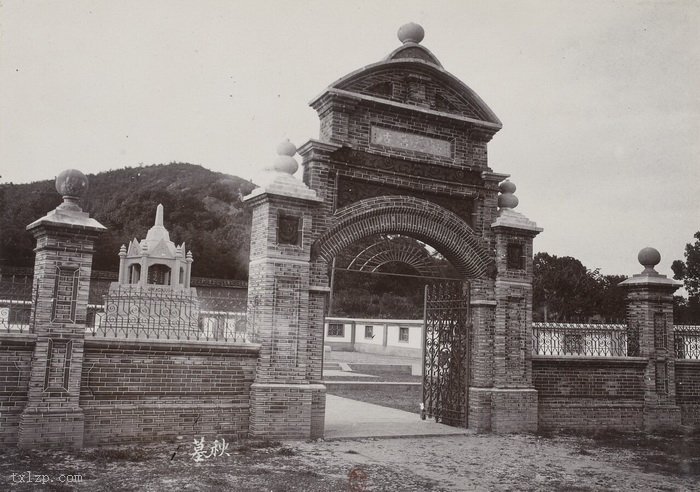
(402, 151)
(445, 354)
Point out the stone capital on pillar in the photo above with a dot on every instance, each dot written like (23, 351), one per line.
(651, 335)
(63, 263)
(315, 150)
(649, 279)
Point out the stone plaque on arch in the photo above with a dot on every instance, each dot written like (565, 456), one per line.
(411, 141)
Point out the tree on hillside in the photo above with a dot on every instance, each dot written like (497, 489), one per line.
(688, 311)
(202, 209)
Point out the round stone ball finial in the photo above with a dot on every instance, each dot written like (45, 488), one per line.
(649, 258)
(411, 33)
(507, 187)
(507, 199)
(286, 148)
(285, 162)
(71, 183)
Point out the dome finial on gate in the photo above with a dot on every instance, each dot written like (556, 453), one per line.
(285, 162)
(507, 199)
(507, 217)
(649, 257)
(411, 33)
(278, 177)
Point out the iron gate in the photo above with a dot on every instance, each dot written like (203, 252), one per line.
(445, 352)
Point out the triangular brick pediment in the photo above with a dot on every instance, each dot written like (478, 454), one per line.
(421, 88)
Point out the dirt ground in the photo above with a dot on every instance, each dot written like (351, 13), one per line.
(471, 462)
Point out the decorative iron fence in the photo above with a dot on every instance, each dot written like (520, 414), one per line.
(687, 341)
(16, 303)
(160, 313)
(585, 339)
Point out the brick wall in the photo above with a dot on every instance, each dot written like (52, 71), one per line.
(589, 393)
(15, 367)
(688, 391)
(136, 391)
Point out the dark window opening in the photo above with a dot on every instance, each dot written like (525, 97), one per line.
(336, 330)
(515, 257)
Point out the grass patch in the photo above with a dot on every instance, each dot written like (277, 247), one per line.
(133, 454)
(262, 444)
(670, 453)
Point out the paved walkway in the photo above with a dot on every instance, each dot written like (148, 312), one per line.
(352, 419)
(332, 373)
(365, 358)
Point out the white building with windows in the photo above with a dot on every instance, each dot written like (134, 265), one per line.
(400, 337)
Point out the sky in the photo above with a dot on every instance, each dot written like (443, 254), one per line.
(600, 100)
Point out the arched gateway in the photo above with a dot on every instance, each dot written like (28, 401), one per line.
(402, 151)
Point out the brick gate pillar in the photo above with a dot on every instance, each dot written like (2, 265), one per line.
(285, 397)
(64, 247)
(483, 318)
(650, 321)
(514, 398)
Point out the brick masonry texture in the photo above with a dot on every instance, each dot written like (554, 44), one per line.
(688, 391)
(590, 393)
(138, 391)
(15, 368)
(412, 216)
(62, 269)
(287, 411)
(286, 308)
(650, 311)
(513, 410)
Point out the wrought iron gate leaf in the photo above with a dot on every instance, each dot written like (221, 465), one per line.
(445, 352)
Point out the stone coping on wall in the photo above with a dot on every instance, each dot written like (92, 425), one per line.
(689, 362)
(188, 346)
(22, 339)
(585, 359)
(91, 406)
(588, 403)
(376, 321)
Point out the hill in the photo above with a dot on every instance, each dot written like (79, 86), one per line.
(202, 208)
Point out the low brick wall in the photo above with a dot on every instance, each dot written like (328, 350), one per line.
(688, 391)
(15, 368)
(143, 390)
(589, 393)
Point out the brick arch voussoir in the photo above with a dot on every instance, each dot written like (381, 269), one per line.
(421, 219)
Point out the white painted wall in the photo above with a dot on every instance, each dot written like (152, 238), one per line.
(377, 344)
